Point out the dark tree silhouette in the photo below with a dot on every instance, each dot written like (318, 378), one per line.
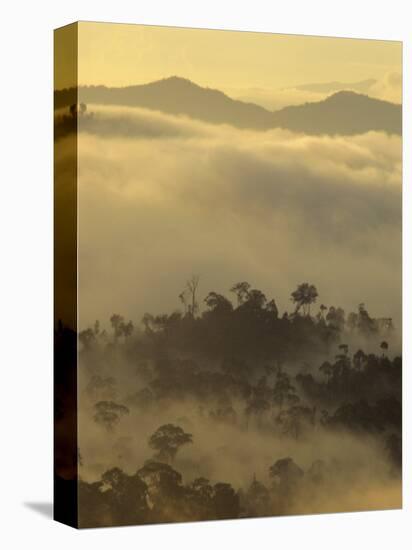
(127, 495)
(167, 440)
(365, 324)
(242, 292)
(226, 501)
(305, 295)
(218, 303)
(117, 499)
(384, 347)
(286, 474)
(120, 327)
(191, 287)
(336, 318)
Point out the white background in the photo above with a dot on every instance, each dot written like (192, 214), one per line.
(26, 272)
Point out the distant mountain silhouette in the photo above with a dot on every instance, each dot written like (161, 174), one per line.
(178, 96)
(362, 86)
(342, 113)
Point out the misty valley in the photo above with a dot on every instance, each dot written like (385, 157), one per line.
(228, 316)
(229, 408)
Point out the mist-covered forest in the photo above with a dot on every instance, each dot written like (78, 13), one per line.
(271, 383)
(228, 407)
(224, 401)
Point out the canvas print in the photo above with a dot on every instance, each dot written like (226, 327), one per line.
(228, 309)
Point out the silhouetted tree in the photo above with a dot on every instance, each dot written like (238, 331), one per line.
(323, 310)
(191, 286)
(200, 496)
(120, 327)
(365, 324)
(242, 291)
(167, 440)
(165, 492)
(305, 295)
(126, 495)
(87, 337)
(272, 308)
(336, 318)
(226, 501)
(255, 299)
(218, 303)
(384, 347)
(286, 474)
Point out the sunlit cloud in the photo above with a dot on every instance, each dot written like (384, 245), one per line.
(162, 196)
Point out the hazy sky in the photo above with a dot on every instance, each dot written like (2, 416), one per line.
(120, 55)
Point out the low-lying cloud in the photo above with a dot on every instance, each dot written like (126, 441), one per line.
(162, 197)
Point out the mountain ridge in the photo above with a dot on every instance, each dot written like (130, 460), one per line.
(343, 113)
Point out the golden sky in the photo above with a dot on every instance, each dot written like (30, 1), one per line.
(122, 54)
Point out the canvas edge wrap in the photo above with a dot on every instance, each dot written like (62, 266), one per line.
(65, 286)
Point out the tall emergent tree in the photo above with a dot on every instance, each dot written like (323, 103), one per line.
(303, 297)
(167, 440)
(191, 289)
(242, 292)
